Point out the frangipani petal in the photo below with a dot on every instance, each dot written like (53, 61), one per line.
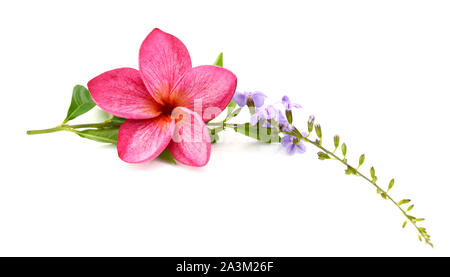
(122, 93)
(163, 59)
(143, 140)
(191, 143)
(205, 89)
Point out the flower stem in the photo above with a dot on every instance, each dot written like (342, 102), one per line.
(411, 219)
(45, 131)
(65, 127)
(358, 173)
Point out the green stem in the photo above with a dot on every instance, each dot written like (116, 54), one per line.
(45, 131)
(424, 235)
(297, 134)
(65, 127)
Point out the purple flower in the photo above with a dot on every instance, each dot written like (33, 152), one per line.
(288, 105)
(266, 113)
(241, 98)
(293, 144)
(283, 123)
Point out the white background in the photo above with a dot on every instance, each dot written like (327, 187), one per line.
(375, 72)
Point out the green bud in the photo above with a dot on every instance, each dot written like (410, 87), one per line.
(372, 173)
(336, 141)
(311, 123)
(410, 208)
(404, 224)
(289, 116)
(361, 159)
(318, 130)
(344, 149)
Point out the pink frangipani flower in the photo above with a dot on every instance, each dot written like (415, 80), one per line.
(165, 102)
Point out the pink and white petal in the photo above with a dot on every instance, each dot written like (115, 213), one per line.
(143, 140)
(122, 92)
(163, 59)
(205, 89)
(191, 143)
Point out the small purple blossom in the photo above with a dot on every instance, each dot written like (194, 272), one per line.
(293, 144)
(288, 105)
(283, 123)
(241, 98)
(266, 113)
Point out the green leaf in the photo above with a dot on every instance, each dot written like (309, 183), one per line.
(106, 135)
(350, 171)
(420, 219)
(231, 106)
(322, 156)
(404, 224)
(109, 135)
(232, 114)
(268, 135)
(410, 208)
(117, 120)
(391, 184)
(361, 159)
(80, 104)
(213, 133)
(404, 201)
(219, 60)
(167, 156)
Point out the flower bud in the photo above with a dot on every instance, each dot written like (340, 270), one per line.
(289, 116)
(361, 159)
(344, 149)
(251, 105)
(336, 141)
(318, 130)
(310, 123)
